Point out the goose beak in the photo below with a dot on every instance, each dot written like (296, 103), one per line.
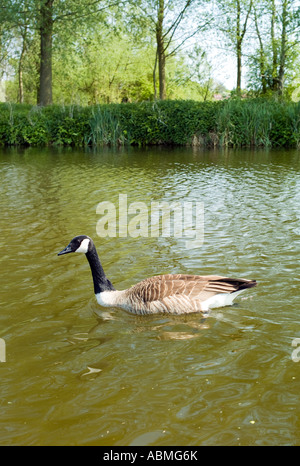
(65, 251)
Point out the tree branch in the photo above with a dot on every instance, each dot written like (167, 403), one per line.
(246, 20)
(185, 39)
(177, 21)
(78, 14)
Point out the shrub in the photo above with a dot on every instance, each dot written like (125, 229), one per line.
(235, 123)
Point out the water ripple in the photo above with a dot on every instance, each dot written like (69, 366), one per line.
(79, 374)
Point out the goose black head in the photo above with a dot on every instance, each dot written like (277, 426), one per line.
(80, 243)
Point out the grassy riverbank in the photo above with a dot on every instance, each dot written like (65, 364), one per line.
(232, 123)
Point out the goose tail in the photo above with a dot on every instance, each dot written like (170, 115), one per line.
(247, 284)
(237, 284)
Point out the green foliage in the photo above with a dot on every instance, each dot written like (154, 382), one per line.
(233, 123)
(259, 123)
(66, 126)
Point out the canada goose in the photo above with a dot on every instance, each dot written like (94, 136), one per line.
(174, 294)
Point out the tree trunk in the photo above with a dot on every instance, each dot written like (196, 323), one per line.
(46, 31)
(20, 69)
(154, 77)
(283, 47)
(162, 74)
(239, 68)
(262, 57)
(238, 49)
(21, 87)
(274, 85)
(240, 34)
(161, 51)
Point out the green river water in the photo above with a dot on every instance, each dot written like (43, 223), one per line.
(73, 373)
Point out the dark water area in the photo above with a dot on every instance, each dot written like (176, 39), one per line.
(78, 374)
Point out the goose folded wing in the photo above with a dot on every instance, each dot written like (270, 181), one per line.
(188, 286)
(180, 294)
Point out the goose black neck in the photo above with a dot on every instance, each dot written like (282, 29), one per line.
(101, 282)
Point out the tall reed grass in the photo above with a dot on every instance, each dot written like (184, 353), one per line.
(105, 128)
(294, 117)
(258, 123)
(242, 123)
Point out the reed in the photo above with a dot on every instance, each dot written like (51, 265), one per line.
(245, 123)
(294, 116)
(105, 128)
(259, 123)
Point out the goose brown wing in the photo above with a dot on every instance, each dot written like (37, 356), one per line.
(190, 286)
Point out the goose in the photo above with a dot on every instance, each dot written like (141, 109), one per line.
(173, 294)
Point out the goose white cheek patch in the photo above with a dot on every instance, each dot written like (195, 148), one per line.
(84, 246)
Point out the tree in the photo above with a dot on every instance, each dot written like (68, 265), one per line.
(289, 27)
(233, 22)
(46, 22)
(105, 63)
(61, 15)
(165, 21)
(200, 73)
(50, 18)
(15, 31)
(277, 30)
(119, 73)
(6, 35)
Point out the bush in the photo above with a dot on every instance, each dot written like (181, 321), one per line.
(234, 123)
